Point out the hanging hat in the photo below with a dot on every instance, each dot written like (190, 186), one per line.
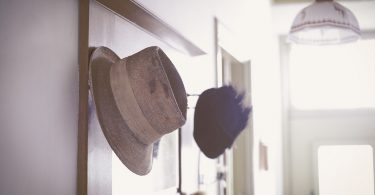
(219, 118)
(138, 99)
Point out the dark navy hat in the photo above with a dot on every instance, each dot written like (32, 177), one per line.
(219, 118)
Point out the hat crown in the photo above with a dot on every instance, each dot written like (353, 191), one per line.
(158, 89)
(160, 102)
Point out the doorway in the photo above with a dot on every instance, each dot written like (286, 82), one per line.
(239, 158)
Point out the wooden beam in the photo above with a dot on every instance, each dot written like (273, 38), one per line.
(136, 14)
(83, 95)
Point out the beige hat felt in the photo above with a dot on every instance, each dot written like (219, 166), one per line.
(138, 99)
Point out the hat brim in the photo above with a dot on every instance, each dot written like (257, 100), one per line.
(135, 155)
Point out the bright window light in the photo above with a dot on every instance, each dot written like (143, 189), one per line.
(333, 77)
(346, 170)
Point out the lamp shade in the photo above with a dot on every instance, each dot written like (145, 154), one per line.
(324, 22)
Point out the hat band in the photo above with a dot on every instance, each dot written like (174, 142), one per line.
(128, 106)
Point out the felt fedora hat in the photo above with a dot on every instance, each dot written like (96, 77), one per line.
(138, 99)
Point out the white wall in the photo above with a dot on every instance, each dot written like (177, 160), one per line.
(39, 84)
(39, 97)
(266, 98)
(251, 21)
(303, 129)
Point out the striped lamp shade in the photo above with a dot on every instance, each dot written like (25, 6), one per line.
(324, 22)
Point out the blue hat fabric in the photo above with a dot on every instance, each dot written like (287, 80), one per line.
(219, 118)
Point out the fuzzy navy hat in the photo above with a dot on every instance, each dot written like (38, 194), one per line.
(219, 118)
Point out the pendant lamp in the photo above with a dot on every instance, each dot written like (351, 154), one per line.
(324, 22)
